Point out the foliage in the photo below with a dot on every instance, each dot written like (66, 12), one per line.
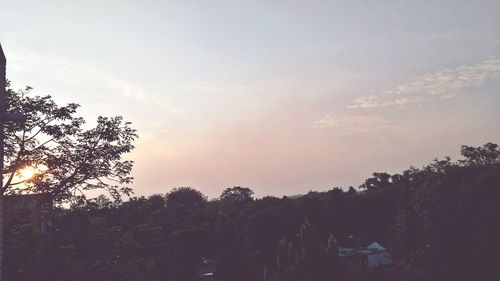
(306, 258)
(72, 159)
(440, 222)
(488, 154)
(186, 197)
(237, 195)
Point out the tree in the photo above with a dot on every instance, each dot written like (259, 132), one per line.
(307, 258)
(351, 190)
(237, 195)
(186, 197)
(378, 180)
(488, 154)
(445, 227)
(70, 159)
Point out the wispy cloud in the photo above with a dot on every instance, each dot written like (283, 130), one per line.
(353, 123)
(445, 83)
(78, 73)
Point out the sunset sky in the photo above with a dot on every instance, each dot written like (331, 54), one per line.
(279, 96)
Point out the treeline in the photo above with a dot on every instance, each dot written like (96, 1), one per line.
(440, 222)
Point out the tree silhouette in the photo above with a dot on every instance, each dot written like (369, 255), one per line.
(377, 181)
(439, 222)
(75, 159)
(237, 195)
(185, 197)
(487, 154)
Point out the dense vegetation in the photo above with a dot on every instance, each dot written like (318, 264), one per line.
(75, 158)
(440, 222)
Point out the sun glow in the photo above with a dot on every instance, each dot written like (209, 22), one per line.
(28, 172)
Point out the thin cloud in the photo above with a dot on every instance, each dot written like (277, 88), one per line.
(365, 102)
(353, 123)
(445, 83)
(78, 73)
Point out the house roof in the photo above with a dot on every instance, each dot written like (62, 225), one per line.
(351, 252)
(376, 246)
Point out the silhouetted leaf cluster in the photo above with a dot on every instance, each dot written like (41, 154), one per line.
(75, 159)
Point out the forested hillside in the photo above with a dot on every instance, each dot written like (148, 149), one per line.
(440, 222)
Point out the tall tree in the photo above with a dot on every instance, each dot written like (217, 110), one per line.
(70, 159)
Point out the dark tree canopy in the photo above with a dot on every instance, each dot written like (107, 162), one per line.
(487, 154)
(75, 159)
(378, 180)
(438, 222)
(185, 197)
(237, 194)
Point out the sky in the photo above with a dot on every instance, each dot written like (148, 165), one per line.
(282, 97)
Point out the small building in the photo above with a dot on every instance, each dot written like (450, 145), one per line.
(378, 256)
(374, 255)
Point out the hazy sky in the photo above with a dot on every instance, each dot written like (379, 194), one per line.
(279, 96)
